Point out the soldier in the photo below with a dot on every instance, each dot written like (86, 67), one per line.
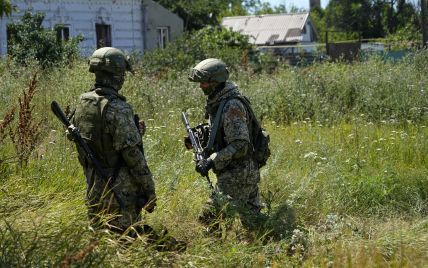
(106, 121)
(229, 150)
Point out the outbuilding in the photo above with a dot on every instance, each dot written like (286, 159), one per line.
(287, 34)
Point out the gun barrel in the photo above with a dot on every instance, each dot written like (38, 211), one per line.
(195, 142)
(184, 119)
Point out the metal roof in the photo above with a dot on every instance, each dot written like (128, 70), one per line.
(269, 29)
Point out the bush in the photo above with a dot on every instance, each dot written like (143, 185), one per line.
(209, 42)
(30, 41)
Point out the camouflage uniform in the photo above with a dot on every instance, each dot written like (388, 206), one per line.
(230, 153)
(106, 121)
(237, 172)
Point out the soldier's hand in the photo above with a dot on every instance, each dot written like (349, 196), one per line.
(151, 204)
(187, 143)
(204, 165)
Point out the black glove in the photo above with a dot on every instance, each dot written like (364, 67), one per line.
(204, 165)
(187, 143)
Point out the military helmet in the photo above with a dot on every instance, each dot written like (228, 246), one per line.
(209, 70)
(109, 59)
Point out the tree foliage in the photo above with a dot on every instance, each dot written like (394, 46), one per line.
(372, 18)
(209, 42)
(30, 41)
(200, 13)
(6, 8)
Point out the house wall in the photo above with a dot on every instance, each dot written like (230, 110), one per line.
(125, 18)
(157, 16)
(309, 35)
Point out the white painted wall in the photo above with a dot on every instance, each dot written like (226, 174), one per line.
(124, 16)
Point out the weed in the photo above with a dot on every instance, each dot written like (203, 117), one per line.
(26, 135)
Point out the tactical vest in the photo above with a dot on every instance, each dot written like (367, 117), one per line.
(259, 138)
(219, 142)
(89, 119)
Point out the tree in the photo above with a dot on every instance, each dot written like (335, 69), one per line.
(30, 41)
(6, 8)
(200, 13)
(373, 18)
(348, 15)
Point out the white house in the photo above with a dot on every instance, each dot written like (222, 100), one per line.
(131, 25)
(275, 29)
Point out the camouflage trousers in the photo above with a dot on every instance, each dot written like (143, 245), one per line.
(239, 182)
(237, 190)
(104, 208)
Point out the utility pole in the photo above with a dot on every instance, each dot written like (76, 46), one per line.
(424, 23)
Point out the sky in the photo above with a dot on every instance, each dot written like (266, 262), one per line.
(303, 3)
(298, 3)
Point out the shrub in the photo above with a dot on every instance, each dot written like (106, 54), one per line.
(30, 41)
(210, 42)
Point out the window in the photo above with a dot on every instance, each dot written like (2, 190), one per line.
(103, 35)
(63, 32)
(163, 36)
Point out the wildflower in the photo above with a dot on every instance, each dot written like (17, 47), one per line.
(312, 155)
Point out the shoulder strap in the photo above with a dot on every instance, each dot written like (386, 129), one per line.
(214, 129)
(248, 105)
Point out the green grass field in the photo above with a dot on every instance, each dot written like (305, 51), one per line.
(346, 184)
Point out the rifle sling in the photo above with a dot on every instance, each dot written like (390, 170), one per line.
(214, 129)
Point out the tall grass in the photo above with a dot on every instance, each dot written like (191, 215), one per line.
(348, 172)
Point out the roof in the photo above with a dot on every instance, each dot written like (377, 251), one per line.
(269, 29)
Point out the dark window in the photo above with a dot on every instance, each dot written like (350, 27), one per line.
(103, 35)
(63, 33)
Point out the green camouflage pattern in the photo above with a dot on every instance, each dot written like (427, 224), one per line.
(121, 140)
(237, 173)
(109, 59)
(209, 70)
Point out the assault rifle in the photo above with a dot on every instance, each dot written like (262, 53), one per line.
(196, 144)
(77, 138)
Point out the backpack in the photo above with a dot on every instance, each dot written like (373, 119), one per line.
(259, 137)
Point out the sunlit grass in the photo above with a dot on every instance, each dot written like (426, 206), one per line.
(349, 170)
